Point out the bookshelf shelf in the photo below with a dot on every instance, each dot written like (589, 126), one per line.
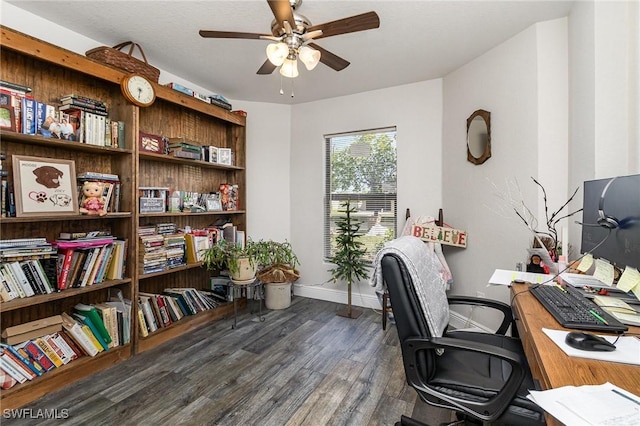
(187, 214)
(24, 393)
(185, 325)
(167, 159)
(64, 294)
(52, 72)
(66, 218)
(170, 271)
(57, 143)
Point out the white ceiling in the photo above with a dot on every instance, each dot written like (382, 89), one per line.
(416, 41)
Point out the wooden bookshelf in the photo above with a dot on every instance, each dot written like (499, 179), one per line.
(52, 72)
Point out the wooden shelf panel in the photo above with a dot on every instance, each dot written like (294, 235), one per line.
(45, 298)
(8, 136)
(63, 376)
(170, 271)
(198, 163)
(65, 217)
(185, 325)
(180, 214)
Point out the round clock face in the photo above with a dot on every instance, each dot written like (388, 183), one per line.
(138, 90)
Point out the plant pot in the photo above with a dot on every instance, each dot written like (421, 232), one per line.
(277, 295)
(246, 270)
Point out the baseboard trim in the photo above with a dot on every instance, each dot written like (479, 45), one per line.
(337, 296)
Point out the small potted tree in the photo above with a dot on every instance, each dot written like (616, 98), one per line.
(348, 257)
(240, 261)
(277, 264)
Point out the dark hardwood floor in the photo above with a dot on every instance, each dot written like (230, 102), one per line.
(302, 366)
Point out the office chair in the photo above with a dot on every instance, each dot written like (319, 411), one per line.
(482, 377)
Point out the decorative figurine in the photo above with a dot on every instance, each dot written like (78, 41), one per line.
(535, 265)
(92, 199)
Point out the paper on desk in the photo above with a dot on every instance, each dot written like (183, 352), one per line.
(627, 348)
(505, 277)
(604, 404)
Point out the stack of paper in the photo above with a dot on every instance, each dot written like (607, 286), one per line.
(605, 404)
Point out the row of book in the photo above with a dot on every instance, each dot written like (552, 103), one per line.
(161, 252)
(31, 267)
(158, 311)
(33, 349)
(76, 118)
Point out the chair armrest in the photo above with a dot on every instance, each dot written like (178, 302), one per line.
(488, 410)
(507, 318)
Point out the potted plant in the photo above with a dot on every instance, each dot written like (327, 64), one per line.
(277, 264)
(240, 261)
(348, 257)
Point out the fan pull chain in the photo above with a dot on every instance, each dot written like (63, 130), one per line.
(292, 87)
(281, 91)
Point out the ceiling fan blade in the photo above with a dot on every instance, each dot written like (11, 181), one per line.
(329, 59)
(231, 34)
(282, 11)
(266, 68)
(352, 24)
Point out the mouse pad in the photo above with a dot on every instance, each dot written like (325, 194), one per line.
(627, 348)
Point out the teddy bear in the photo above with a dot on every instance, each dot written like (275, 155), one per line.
(92, 199)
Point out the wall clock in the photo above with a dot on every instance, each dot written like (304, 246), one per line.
(138, 90)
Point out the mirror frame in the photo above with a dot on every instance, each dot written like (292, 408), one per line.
(486, 116)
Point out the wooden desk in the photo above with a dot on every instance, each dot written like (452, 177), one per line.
(549, 364)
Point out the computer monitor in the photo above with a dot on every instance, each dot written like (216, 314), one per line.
(611, 213)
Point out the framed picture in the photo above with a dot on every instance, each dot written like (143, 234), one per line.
(44, 186)
(224, 156)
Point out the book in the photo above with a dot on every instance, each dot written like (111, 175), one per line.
(37, 354)
(74, 329)
(28, 116)
(142, 323)
(65, 257)
(53, 344)
(39, 268)
(48, 351)
(33, 365)
(21, 278)
(9, 368)
(110, 319)
(145, 303)
(12, 280)
(18, 361)
(92, 313)
(97, 335)
(619, 309)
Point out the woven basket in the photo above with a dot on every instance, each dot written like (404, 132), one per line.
(115, 57)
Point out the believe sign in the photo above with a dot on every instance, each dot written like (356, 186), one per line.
(438, 234)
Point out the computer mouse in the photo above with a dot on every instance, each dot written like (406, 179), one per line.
(588, 342)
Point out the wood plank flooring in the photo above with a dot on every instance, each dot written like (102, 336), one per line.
(302, 366)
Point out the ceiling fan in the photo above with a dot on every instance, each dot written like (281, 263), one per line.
(292, 34)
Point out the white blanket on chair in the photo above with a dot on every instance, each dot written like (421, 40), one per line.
(424, 269)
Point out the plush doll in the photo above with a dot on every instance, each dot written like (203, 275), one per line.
(92, 199)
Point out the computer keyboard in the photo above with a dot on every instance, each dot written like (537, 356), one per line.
(572, 310)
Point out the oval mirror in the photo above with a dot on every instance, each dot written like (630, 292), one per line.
(479, 137)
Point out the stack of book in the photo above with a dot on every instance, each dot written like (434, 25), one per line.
(32, 349)
(152, 256)
(175, 250)
(180, 148)
(27, 268)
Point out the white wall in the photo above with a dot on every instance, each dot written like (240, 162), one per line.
(268, 170)
(416, 111)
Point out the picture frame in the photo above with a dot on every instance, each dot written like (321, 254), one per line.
(151, 143)
(224, 156)
(44, 186)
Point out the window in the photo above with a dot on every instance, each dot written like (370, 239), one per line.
(361, 167)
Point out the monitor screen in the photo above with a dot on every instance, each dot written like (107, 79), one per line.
(611, 213)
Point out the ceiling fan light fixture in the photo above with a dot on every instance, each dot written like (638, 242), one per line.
(309, 57)
(277, 53)
(289, 68)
